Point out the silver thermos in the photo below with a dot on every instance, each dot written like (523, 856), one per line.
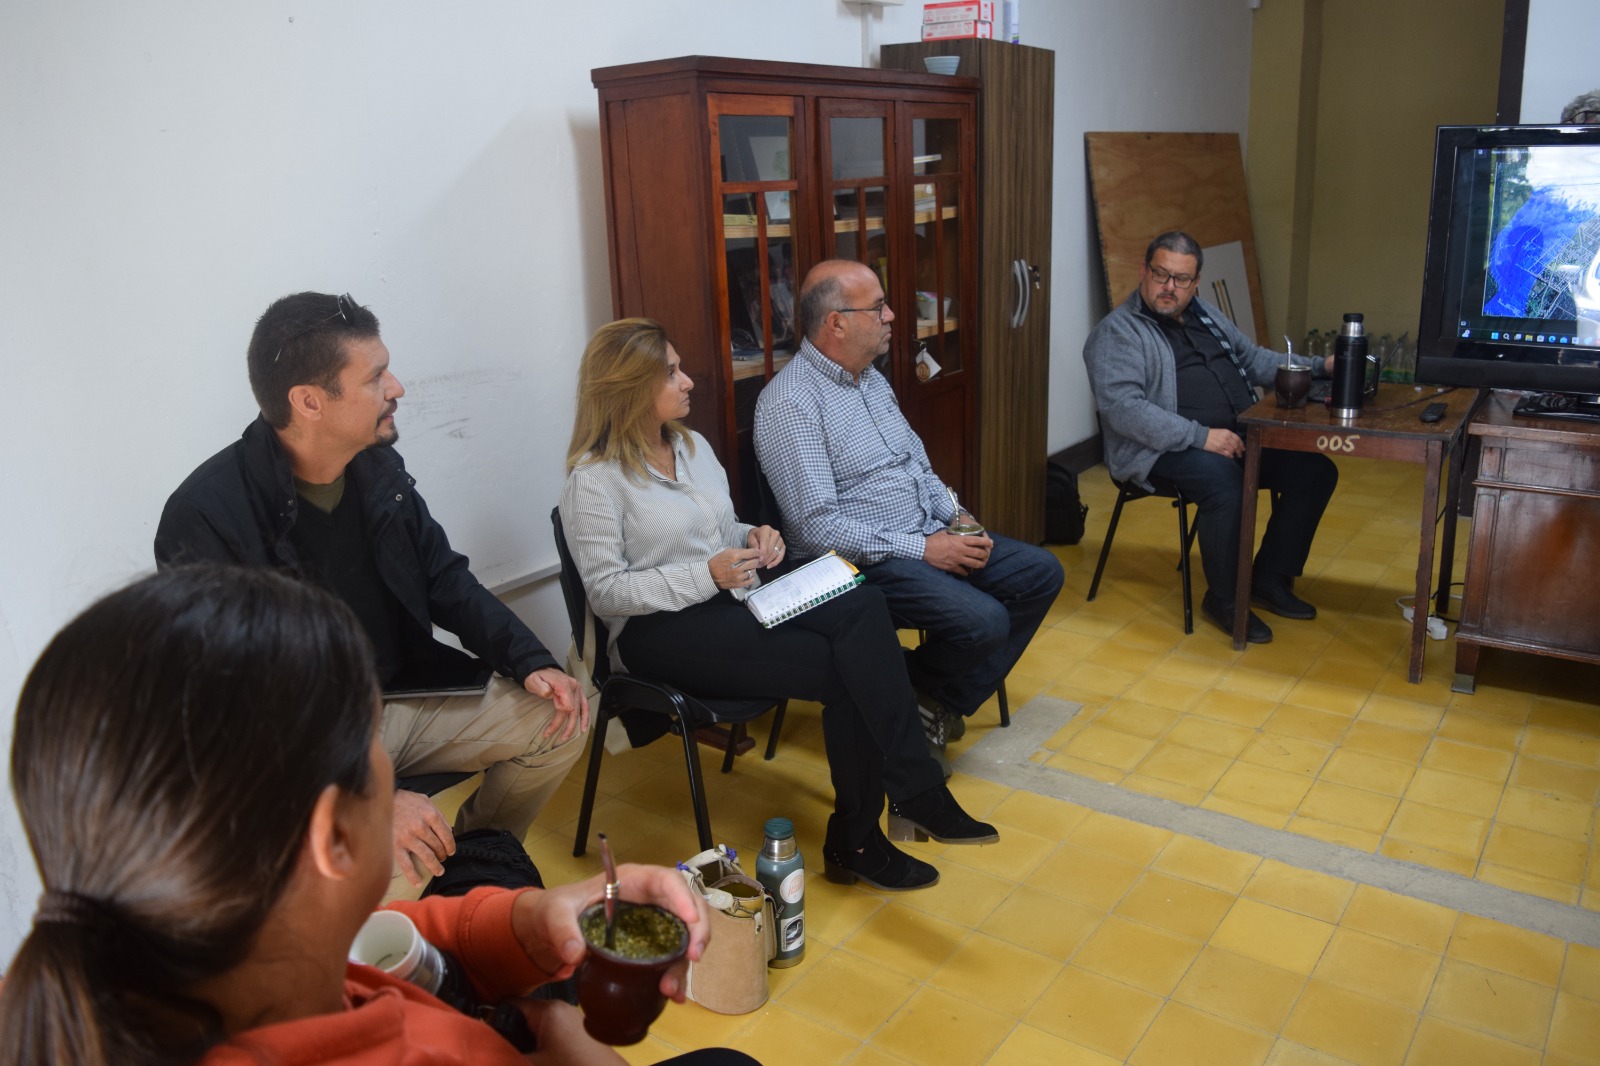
(1349, 367)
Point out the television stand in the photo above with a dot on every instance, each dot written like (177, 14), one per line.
(1533, 570)
(1562, 406)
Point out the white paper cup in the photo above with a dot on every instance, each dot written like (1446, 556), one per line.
(389, 941)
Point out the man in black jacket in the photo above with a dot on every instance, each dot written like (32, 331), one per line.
(313, 487)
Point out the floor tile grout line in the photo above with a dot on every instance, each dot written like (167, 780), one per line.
(1004, 756)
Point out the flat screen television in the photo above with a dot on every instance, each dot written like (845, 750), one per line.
(1511, 286)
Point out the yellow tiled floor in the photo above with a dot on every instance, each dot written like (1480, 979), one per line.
(1085, 938)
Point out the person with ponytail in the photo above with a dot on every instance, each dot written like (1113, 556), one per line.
(197, 764)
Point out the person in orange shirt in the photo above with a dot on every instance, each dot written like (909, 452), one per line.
(198, 768)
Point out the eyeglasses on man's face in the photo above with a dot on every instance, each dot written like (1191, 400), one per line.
(342, 305)
(1179, 281)
(880, 309)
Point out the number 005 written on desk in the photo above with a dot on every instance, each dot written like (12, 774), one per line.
(1336, 443)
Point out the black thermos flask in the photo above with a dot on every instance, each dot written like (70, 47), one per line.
(1349, 367)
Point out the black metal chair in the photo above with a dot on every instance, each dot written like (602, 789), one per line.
(770, 514)
(630, 694)
(1127, 491)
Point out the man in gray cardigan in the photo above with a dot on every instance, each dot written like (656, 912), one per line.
(1171, 376)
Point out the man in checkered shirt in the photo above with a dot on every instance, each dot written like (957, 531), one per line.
(850, 475)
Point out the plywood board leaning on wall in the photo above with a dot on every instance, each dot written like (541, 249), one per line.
(1143, 184)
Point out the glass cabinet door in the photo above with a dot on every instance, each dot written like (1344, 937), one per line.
(856, 159)
(937, 259)
(753, 142)
(936, 291)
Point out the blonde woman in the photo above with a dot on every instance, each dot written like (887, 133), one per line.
(652, 529)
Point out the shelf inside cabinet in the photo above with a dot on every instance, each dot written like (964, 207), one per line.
(875, 222)
(756, 366)
(928, 327)
(747, 230)
(851, 225)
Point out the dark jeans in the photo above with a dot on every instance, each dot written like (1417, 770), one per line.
(1304, 482)
(978, 626)
(843, 654)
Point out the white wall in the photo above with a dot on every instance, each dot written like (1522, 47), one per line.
(1558, 63)
(1157, 65)
(170, 167)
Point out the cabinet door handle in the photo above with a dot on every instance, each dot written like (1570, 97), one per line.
(1019, 309)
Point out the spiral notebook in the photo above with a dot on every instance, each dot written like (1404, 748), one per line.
(801, 589)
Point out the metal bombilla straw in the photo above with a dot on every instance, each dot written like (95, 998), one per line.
(613, 888)
(1289, 346)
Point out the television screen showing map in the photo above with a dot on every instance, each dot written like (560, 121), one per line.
(1543, 254)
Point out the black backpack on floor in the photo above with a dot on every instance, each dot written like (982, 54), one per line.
(1064, 512)
(495, 857)
(485, 857)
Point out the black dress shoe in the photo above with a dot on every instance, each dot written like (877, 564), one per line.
(1256, 631)
(878, 863)
(935, 813)
(1273, 592)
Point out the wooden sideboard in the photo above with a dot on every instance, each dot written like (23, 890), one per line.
(1533, 570)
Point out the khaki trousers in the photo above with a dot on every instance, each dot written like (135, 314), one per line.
(501, 733)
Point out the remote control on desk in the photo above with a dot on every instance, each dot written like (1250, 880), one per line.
(1433, 412)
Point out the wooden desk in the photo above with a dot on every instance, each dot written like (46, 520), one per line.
(1387, 428)
(1533, 569)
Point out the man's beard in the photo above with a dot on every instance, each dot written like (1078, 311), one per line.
(1175, 311)
(393, 429)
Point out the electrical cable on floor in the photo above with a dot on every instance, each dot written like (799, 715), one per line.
(1437, 630)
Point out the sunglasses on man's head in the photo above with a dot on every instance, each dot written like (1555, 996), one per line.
(343, 304)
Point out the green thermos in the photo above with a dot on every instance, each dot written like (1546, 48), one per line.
(782, 872)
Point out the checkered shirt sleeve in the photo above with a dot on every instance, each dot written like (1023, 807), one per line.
(847, 470)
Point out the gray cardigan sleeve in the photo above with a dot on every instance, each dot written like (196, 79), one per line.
(1135, 385)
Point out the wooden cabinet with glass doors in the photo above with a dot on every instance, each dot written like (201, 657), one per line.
(726, 180)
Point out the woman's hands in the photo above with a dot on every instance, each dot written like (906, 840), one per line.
(769, 542)
(546, 923)
(734, 568)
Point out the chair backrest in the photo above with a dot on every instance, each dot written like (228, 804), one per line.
(768, 513)
(577, 601)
